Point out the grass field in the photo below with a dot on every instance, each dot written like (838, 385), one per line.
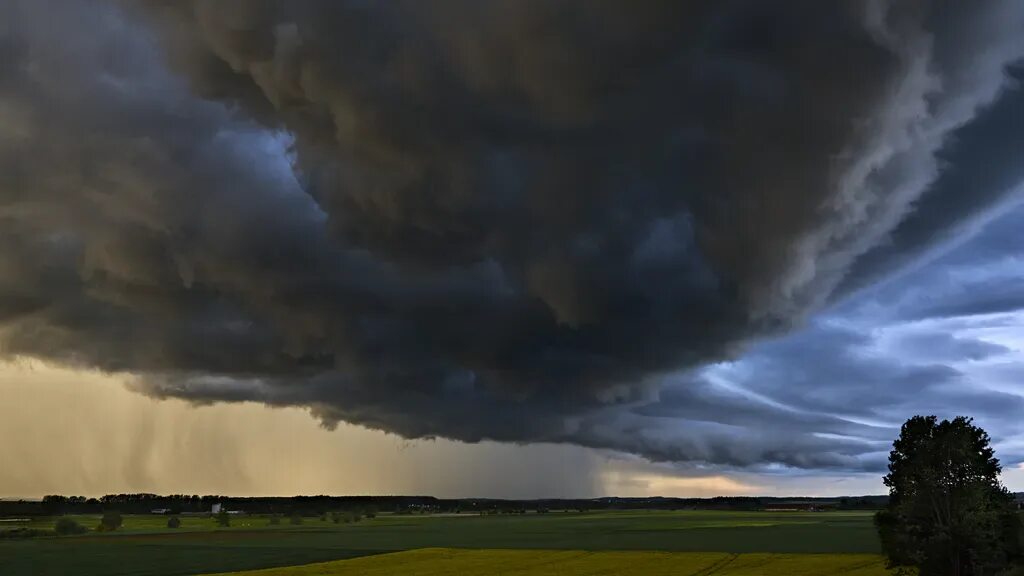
(148, 522)
(450, 562)
(145, 547)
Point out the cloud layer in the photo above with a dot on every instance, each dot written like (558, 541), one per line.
(505, 221)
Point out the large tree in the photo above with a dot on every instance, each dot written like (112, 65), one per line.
(948, 513)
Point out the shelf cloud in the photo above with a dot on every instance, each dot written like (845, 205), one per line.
(510, 220)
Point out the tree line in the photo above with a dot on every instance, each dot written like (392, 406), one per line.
(144, 503)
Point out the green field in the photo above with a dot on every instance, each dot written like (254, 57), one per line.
(144, 547)
(451, 562)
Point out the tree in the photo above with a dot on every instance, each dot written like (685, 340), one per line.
(174, 522)
(223, 520)
(947, 514)
(110, 521)
(66, 526)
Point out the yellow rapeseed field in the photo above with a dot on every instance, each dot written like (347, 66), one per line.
(458, 562)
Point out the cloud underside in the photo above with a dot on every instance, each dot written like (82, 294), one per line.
(508, 220)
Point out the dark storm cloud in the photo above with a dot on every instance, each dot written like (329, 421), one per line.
(983, 157)
(477, 220)
(854, 374)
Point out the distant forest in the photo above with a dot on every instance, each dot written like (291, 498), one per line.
(314, 505)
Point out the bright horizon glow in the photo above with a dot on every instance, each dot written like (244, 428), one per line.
(84, 433)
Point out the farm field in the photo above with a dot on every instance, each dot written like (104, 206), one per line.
(145, 547)
(449, 562)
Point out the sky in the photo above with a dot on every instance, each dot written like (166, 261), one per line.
(511, 249)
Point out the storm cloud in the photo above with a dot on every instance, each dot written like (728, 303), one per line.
(488, 220)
